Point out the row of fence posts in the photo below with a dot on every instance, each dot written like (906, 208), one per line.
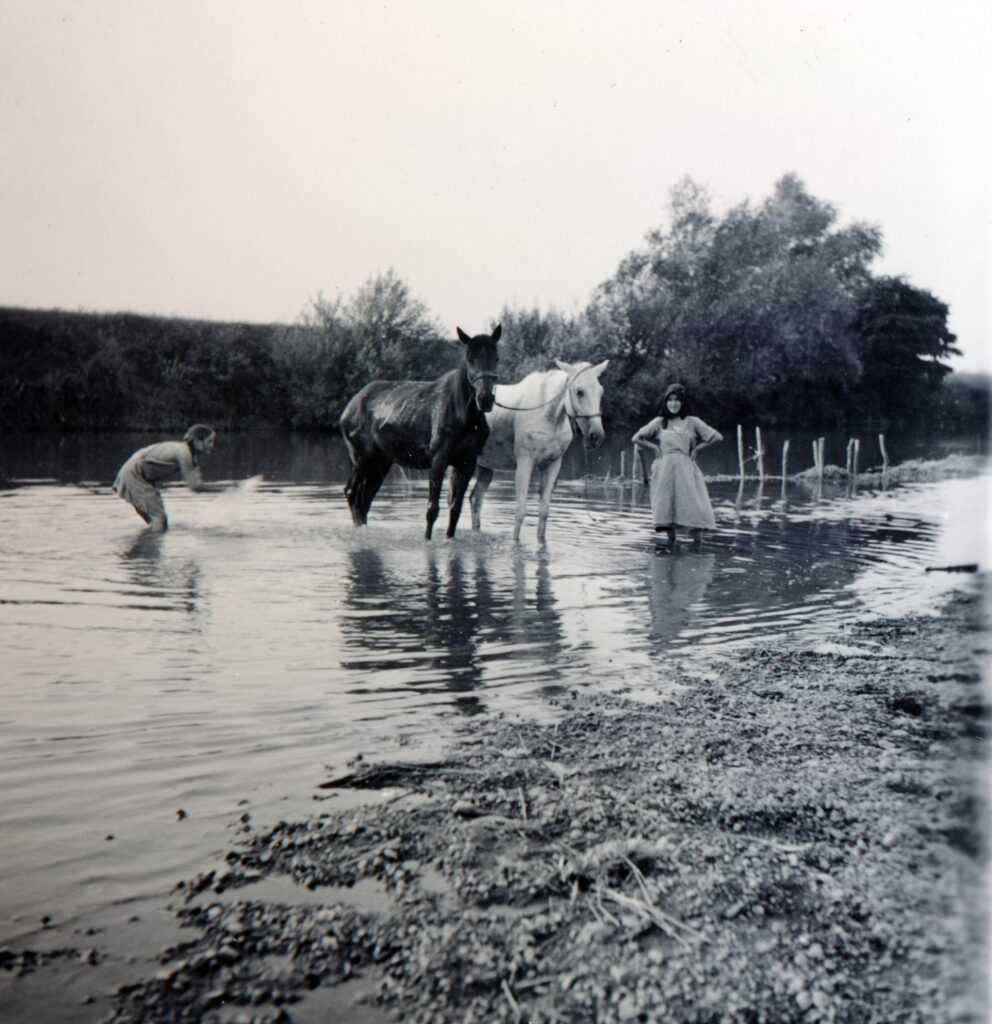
(852, 462)
(853, 456)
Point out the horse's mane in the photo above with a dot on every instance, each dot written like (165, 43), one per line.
(546, 374)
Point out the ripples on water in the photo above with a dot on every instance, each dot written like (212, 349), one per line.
(264, 636)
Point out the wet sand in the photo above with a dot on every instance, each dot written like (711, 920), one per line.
(793, 834)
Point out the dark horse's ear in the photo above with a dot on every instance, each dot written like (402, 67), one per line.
(462, 336)
(497, 331)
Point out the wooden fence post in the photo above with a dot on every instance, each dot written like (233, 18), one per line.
(820, 443)
(740, 448)
(885, 454)
(760, 453)
(785, 460)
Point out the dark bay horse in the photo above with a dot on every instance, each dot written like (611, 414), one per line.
(422, 425)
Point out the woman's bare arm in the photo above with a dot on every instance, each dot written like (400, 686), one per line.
(642, 437)
(713, 437)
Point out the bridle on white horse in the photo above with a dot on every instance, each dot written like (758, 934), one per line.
(554, 398)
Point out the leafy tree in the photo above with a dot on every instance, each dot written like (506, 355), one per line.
(752, 311)
(532, 340)
(903, 337)
(394, 332)
(963, 403)
(768, 312)
(320, 362)
(382, 332)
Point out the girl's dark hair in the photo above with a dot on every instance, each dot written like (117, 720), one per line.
(198, 432)
(679, 391)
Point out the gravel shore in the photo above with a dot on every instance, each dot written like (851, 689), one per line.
(796, 833)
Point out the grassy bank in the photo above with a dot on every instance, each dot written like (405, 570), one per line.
(67, 371)
(910, 471)
(791, 834)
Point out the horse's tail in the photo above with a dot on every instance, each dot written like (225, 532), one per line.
(349, 423)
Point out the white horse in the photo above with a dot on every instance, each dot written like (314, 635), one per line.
(531, 425)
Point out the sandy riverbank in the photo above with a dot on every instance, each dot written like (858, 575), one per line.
(792, 835)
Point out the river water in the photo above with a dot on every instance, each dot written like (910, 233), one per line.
(224, 665)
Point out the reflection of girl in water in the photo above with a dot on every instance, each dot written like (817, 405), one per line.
(148, 468)
(675, 585)
(678, 490)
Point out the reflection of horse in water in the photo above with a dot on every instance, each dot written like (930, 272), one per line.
(674, 585)
(442, 627)
(531, 428)
(537, 622)
(422, 425)
(425, 625)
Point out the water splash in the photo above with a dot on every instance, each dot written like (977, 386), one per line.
(229, 505)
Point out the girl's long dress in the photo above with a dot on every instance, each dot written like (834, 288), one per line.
(678, 491)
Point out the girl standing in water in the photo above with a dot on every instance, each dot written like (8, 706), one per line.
(678, 490)
(140, 477)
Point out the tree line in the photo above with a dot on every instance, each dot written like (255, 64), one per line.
(768, 313)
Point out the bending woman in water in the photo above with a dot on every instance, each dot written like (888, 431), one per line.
(678, 490)
(141, 476)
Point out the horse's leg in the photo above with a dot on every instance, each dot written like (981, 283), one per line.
(375, 472)
(350, 488)
(352, 492)
(549, 477)
(436, 480)
(483, 478)
(525, 467)
(461, 474)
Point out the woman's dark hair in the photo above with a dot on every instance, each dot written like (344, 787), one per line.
(679, 391)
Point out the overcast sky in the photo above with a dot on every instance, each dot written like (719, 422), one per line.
(231, 160)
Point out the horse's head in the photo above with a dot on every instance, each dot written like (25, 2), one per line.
(481, 360)
(584, 397)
